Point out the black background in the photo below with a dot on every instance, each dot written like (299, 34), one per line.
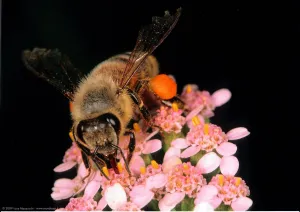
(251, 49)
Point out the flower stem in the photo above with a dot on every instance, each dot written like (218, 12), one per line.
(187, 204)
(153, 205)
(147, 159)
(169, 137)
(223, 207)
(195, 158)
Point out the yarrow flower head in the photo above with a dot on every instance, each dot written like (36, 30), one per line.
(180, 161)
(185, 178)
(81, 204)
(194, 98)
(206, 137)
(229, 188)
(169, 119)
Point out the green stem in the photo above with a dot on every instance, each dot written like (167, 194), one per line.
(147, 159)
(195, 158)
(169, 137)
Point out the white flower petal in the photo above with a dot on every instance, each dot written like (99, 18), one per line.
(64, 183)
(241, 204)
(170, 200)
(65, 166)
(62, 194)
(156, 181)
(101, 204)
(141, 196)
(91, 189)
(237, 133)
(189, 152)
(152, 134)
(229, 165)
(172, 151)
(169, 164)
(226, 149)
(135, 165)
(221, 96)
(82, 171)
(152, 146)
(180, 143)
(194, 112)
(203, 207)
(209, 162)
(115, 196)
(206, 193)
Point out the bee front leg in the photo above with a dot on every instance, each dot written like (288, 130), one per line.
(131, 145)
(87, 165)
(100, 163)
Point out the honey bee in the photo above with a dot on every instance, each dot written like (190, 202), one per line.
(104, 101)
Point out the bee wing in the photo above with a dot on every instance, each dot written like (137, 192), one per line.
(149, 38)
(55, 68)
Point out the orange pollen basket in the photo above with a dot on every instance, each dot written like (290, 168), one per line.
(163, 86)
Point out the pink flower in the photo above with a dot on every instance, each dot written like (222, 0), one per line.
(226, 188)
(144, 145)
(170, 200)
(151, 184)
(169, 119)
(81, 204)
(232, 191)
(141, 196)
(127, 182)
(185, 178)
(128, 206)
(71, 158)
(65, 188)
(228, 163)
(209, 138)
(194, 98)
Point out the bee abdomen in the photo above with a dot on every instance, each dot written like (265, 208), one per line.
(116, 66)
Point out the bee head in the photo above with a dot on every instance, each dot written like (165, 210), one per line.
(100, 132)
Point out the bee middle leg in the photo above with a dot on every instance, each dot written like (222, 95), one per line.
(139, 102)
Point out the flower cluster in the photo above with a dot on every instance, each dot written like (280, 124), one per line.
(182, 162)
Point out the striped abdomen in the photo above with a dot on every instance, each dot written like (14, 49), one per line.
(115, 66)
